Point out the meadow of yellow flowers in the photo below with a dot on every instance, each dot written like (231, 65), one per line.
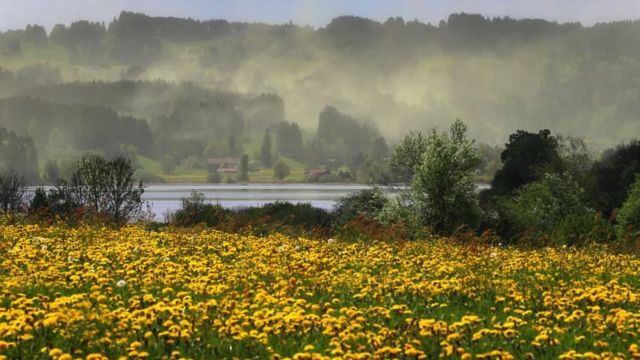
(97, 293)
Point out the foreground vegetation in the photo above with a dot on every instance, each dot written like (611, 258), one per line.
(96, 293)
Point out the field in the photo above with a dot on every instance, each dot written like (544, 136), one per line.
(182, 174)
(98, 293)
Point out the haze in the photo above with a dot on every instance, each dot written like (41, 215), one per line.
(177, 84)
(16, 14)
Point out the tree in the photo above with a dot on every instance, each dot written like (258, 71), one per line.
(281, 170)
(266, 156)
(36, 34)
(244, 168)
(442, 188)
(407, 156)
(526, 158)
(19, 152)
(289, 140)
(375, 172)
(440, 170)
(108, 188)
(12, 191)
(576, 159)
(613, 175)
(344, 138)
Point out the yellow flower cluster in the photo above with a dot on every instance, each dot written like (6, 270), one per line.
(97, 293)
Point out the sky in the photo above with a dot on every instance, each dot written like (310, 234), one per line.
(18, 13)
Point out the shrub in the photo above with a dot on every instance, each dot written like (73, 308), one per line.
(281, 170)
(582, 228)
(39, 202)
(540, 207)
(628, 216)
(287, 213)
(283, 217)
(367, 203)
(195, 210)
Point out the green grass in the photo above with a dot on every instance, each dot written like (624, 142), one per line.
(180, 174)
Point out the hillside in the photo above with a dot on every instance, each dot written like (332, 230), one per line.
(196, 83)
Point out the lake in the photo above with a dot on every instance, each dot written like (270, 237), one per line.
(167, 198)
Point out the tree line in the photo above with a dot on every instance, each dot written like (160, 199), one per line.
(549, 190)
(186, 125)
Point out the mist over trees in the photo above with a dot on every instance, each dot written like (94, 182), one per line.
(336, 97)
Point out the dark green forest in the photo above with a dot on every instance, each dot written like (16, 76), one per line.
(172, 93)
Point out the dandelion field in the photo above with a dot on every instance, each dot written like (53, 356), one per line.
(96, 293)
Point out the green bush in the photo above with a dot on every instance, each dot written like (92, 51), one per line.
(553, 203)
(195, 210)
(628, 215)
(368, 203)
(582, 228)
(285, 213)
(281, 170)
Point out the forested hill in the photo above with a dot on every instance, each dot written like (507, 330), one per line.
(210, 89)
(154, 99)
(497, 74)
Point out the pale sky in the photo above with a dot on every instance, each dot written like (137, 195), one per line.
(18, 13)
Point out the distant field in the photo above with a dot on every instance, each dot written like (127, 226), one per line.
(180, 174)
(97, 293)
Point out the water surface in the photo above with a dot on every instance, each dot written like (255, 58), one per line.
(167, 198)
